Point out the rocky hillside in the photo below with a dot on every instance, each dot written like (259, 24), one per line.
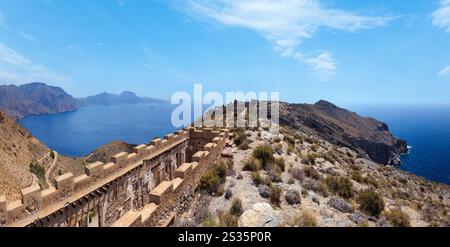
(298, 179)
(369, 137)
(35, 98)
(18, 151)
(114, 99)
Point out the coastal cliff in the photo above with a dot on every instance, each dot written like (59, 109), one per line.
(369, 137)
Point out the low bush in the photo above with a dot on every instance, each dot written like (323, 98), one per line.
(398, 218)
(212, 179)
(236, 207)
(310, 172)
(340, 186)
(370, 202)
(280, 163)
(275, 194)
(264, 153)
(305, 219)
(252, 165)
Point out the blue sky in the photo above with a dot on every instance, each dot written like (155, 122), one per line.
(347, 52)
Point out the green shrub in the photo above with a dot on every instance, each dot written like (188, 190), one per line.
(236, 207)
(280, 163)
(211, 180)
(340, 186)
(39, 171)
(209, 222)
(398, 218)
(252, 165)
(311, 173)
(370, 202)
(305, 219)
(264, 153)
(257, 179)
(227, 220)
(310, 158)
(240, 137)
(275, 194)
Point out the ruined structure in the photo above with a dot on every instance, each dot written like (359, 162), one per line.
(145, 188)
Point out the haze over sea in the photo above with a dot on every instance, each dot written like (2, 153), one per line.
(78, 133)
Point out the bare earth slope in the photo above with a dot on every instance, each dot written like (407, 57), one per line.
(18, 149)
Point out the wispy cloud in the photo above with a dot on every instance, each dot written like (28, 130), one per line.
(28, 37)
(284, 23)
(444, 72)
(441, 17)
(17, 69)
(121, 2)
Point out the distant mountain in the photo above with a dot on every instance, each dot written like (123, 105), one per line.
(35, 98)
(114, 99)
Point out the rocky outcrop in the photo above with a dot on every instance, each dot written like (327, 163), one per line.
(261, 215)
(369, 137)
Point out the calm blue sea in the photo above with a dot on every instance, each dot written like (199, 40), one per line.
(79, 133)
(427, 130)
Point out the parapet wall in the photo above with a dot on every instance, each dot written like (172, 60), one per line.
(34, 200)
(168, 195)
(68, 188)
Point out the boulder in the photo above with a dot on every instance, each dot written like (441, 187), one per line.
(261, 215)
(357, 218)
(340, 205)
(264, 191)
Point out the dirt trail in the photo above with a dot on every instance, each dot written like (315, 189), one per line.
(49, 170)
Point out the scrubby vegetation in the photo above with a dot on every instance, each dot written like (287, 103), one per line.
(370, 202)
(264, 154)
(398, 218)
(236, 207)
(340, 186)
(39, 172)
(305, 219)
(275, 194)
(211, 181)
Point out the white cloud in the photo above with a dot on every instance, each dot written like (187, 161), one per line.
(441, 17)
(121, 2)
(284, 23)
(444, 72)
(15, 68)
(28, 37)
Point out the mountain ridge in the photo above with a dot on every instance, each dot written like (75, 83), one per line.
(38, 98)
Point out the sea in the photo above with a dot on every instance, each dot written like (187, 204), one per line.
(425, 128)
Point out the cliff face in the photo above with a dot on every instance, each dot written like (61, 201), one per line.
(35, 98)
(369, 137)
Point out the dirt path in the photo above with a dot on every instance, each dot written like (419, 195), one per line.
(49, 170)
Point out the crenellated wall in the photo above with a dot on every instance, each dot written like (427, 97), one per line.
(143, 188)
